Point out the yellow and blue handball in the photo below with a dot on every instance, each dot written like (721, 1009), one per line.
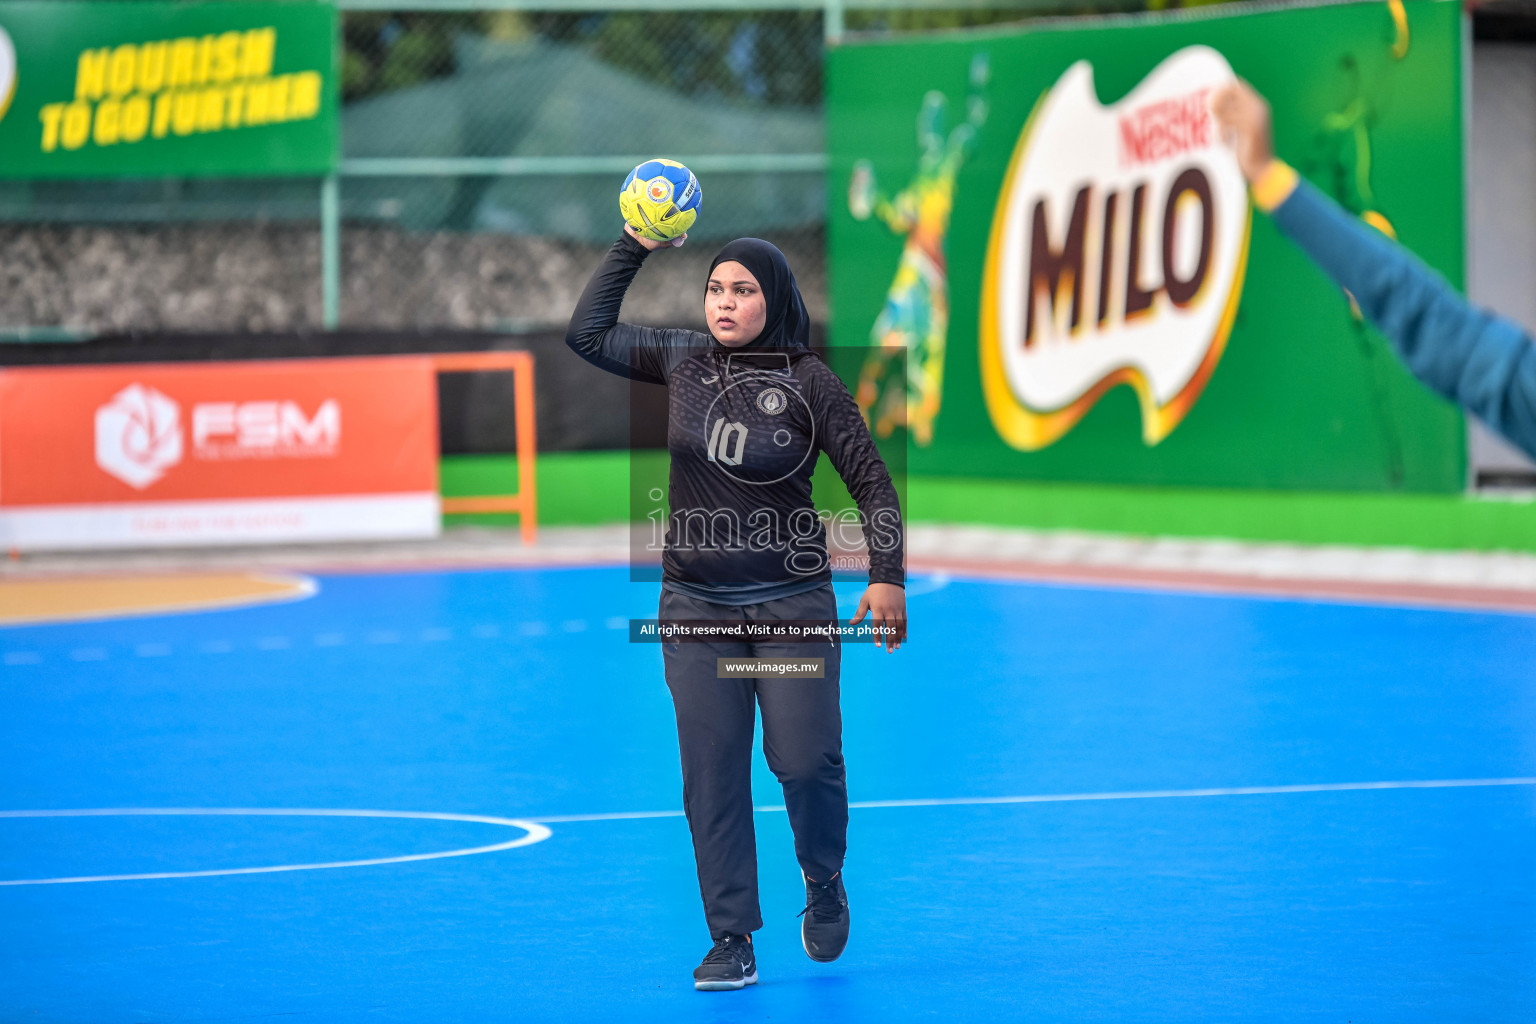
(660, 199)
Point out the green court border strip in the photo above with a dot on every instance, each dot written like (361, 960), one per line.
(590, 488)
(1431, 521)
(575, 488)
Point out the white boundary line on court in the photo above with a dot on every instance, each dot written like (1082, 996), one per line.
(536, 830)
(1066, 798)
(535, 833)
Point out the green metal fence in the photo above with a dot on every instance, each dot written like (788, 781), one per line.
(511, 117)
(523, 115)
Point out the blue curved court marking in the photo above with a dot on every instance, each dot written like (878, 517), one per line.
(532, 833)
(511, 693)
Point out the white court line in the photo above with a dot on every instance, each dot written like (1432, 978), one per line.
(917, 586)
(536, 833)
(556, 819)
(928, 583)
(1066, 798)
(1163, 794)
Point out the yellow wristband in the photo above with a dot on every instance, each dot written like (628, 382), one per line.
(1274, 186)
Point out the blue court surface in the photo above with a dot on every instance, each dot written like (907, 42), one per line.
(1072, 803)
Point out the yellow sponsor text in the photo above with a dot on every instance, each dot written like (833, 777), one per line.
(174, 88)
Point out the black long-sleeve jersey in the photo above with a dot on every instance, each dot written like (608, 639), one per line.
(745, 427)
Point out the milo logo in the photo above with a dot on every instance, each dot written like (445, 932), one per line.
(1116, 256)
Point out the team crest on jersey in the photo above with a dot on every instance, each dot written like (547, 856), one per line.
(772, 401)
(659, 189)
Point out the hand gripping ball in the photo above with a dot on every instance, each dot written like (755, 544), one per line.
(660, 199)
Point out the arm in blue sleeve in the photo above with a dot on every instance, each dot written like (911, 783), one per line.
(1484, 363)
(595, 334)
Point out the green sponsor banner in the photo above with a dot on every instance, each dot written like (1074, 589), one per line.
(1044, 223)
(95, 90)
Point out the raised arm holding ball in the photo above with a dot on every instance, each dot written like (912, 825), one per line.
(750, 408)
(1483, 362)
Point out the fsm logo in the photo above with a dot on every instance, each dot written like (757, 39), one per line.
(7, 71)
(1117, 254)
(246, 430)
(138, 435)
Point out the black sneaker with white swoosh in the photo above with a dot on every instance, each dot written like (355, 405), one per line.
(824, 921)
(729, 965)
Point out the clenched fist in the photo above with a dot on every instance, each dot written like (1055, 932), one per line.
(1242, 116)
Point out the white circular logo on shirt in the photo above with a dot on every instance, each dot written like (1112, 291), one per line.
(772, 401)
(725, 443)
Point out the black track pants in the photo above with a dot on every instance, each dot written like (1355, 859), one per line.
(802, 738)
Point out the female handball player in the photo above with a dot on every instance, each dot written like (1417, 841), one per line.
(750, 408)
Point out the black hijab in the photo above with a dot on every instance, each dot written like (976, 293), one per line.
(787, 325)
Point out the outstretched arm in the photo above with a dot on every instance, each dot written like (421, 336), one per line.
(1483, 362)
(595, 334)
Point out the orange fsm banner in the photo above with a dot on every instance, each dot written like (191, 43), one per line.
(207, 453)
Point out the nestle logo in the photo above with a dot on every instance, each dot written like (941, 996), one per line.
(1165, 129)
